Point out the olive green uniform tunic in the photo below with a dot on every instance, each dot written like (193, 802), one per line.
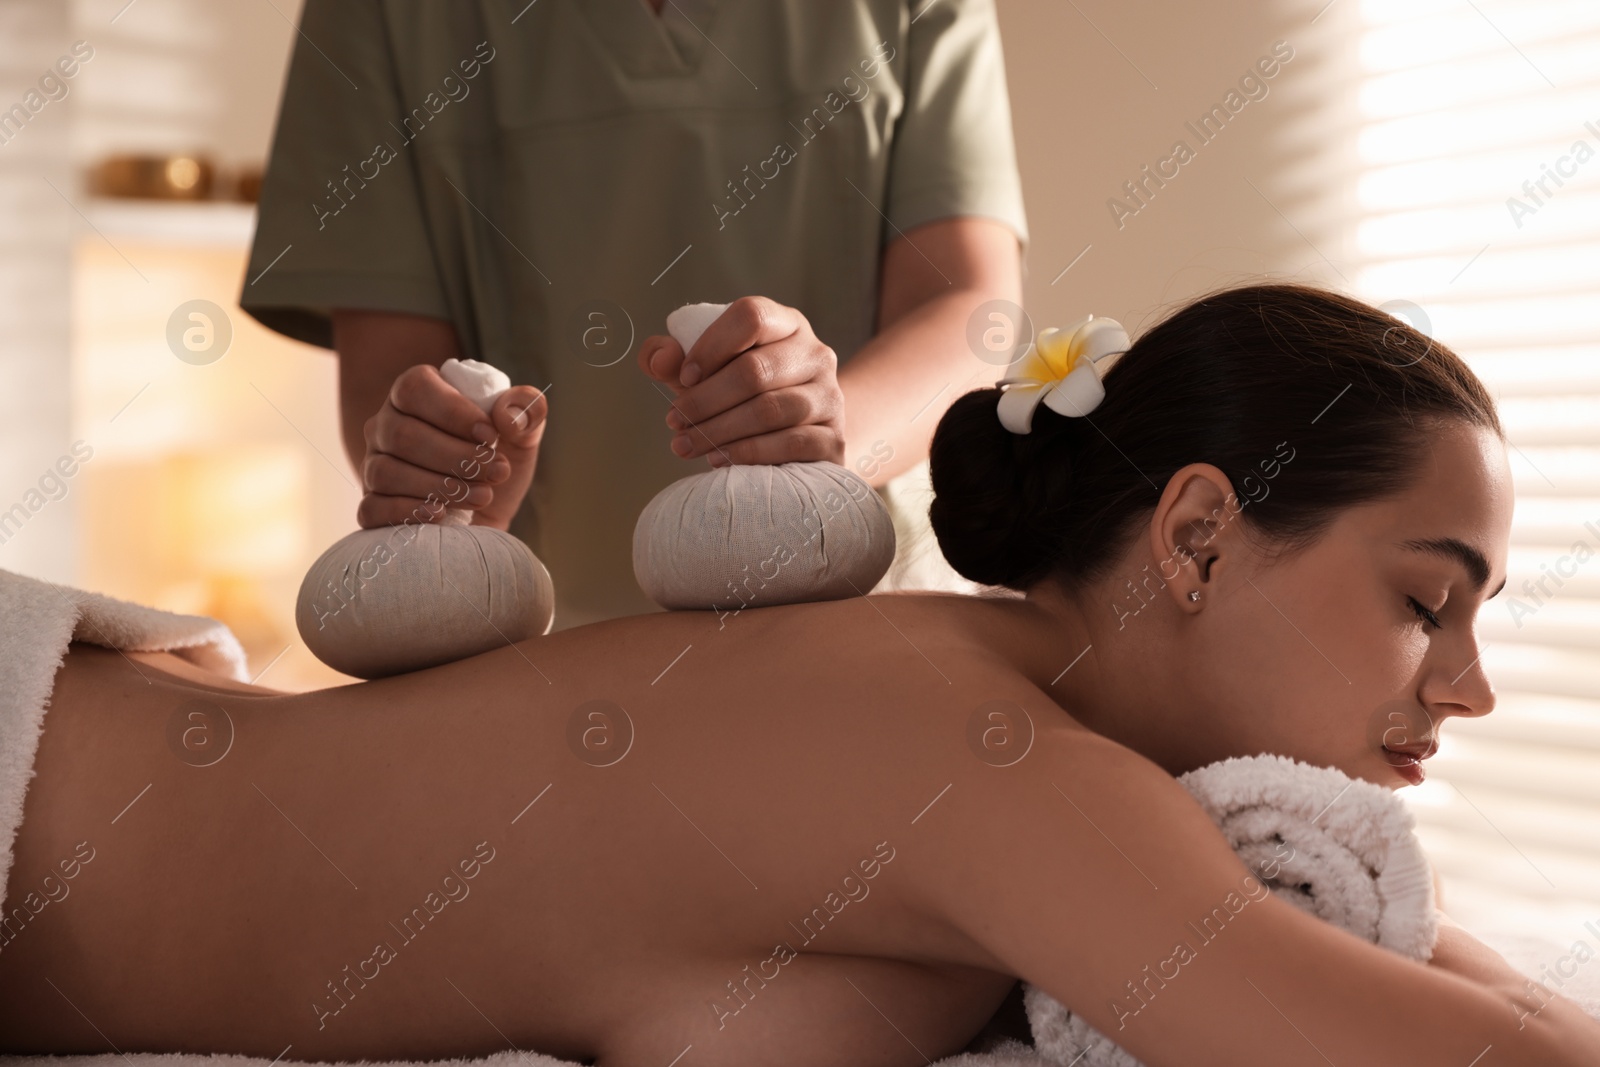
(554, 177)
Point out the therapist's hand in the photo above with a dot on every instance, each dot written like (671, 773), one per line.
(758, 387)
(430, 441)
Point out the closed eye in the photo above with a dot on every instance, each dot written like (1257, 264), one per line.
(1424, 614)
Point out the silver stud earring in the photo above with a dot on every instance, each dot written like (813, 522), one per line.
(1194, 596)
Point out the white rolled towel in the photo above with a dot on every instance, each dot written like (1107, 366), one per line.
(1342, 849)
(752, 535)
(392, 599)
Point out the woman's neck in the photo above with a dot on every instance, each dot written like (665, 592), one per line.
(1045, 637)
(1100, 666)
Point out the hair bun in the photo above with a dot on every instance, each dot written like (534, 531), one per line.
(991, 488)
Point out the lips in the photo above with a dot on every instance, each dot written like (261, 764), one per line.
(1419, 751)
(1407, 759)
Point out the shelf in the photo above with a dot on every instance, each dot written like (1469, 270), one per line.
(209, 223)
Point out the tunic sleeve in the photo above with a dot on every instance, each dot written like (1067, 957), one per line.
(952, 152)
(341, 220)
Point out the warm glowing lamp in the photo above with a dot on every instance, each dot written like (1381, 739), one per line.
(236, 520)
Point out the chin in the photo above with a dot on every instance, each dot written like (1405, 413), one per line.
(1378, 771)
(1397, 777)
(1386, 778)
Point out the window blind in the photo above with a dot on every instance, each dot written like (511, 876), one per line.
(1477, 204)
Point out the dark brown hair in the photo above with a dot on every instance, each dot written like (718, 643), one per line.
(1227, 380)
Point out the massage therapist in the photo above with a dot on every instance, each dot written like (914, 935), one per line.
(536, 184)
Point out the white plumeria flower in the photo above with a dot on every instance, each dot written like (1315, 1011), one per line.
(1063, 369)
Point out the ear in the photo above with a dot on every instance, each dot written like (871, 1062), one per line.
(1192, 533)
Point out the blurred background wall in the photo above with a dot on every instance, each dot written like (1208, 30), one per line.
(35, 288)
(1431, 156)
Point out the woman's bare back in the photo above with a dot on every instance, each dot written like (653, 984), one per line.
(615, 842)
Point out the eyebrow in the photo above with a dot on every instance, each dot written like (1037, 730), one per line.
(1457, 551)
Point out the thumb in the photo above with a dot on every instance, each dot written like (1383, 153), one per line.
(661, 357)
(519, 419)
(519, 416)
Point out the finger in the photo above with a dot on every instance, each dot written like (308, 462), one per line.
(797, 444)
(377, 509)
(423, 394)
(763, 413)
(760, 370)
(519, 417)
(747, 322)
(422, 444)
(389, 476)
(661, 358)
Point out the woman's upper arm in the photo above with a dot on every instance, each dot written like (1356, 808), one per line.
(1090, 872)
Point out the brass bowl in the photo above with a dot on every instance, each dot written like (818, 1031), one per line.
(247, 185)
(154, 177)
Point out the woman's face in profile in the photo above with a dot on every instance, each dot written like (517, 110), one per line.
(1353, 652)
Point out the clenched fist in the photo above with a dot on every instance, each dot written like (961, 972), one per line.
(430, 447)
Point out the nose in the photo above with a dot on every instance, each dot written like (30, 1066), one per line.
(1456, 689)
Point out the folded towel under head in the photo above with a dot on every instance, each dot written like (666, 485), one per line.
(1340, 848)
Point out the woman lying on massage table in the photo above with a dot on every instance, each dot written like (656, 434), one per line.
(783, 839)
